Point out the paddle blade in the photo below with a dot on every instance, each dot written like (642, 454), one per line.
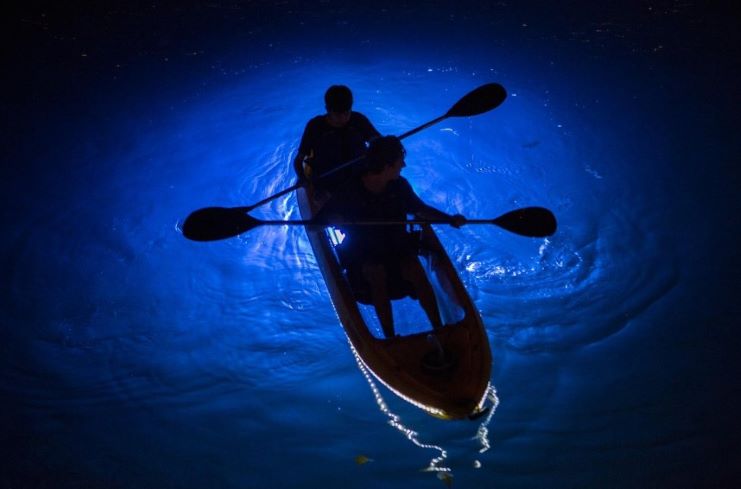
(215, 223)
(536, 222)
(480, 100)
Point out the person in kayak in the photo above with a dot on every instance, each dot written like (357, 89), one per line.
(331, 139)
(386, 256)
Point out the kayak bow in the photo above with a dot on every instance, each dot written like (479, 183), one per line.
(444, 372)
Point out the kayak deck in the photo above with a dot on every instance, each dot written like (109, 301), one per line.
(445, 372)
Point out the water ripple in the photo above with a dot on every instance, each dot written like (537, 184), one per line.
(576, 290)
(135, 313)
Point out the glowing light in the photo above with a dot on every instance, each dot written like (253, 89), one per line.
(336, 236)
(395, 421)
(482, 433)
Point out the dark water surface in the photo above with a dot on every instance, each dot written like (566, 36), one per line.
(134, 358)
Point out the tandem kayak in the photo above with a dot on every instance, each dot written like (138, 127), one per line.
(445, 372)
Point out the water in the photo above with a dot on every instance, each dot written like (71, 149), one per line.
(132, 357)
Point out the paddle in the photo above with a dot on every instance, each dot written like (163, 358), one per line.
(215, 223)
(480, 100)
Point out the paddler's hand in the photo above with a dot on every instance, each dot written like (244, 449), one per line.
(303, 172)
(458, 220)
(302, 178)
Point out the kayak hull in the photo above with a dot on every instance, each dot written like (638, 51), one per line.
(446, 372)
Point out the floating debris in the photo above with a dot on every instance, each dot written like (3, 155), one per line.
(446, 477)
(362, 459)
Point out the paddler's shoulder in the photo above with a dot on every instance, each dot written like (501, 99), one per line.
(352, 190)
(342, 200)
(358, 119)
(318, 124)
(349, 192)
(317, 121)
(358, 116)
(401, 184)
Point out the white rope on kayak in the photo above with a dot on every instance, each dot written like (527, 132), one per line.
(482, 434)
(395, 421)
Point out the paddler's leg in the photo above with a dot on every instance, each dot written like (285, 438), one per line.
(375, 275)
(413, 272)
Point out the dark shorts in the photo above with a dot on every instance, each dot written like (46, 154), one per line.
(391, 257)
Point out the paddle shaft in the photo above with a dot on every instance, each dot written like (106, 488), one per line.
(424, 126)
(283, 192)
(297, 186)
(359, 158)
(468, 105)
(312, 222)
(215, 223)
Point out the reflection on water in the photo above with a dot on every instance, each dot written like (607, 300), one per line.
(437, 463)
(123, 319)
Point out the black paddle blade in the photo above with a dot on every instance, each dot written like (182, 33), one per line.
(536, 222)
(480, 100)
(215, 223)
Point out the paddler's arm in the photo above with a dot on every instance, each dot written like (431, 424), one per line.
(368, 129)
(326, 217)
(331, 211)
(298, 166)
(424, 211)
(428, 212)
(305, 149)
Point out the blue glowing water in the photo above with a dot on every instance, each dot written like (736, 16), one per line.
(134, 358)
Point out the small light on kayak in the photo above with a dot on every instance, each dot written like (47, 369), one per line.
(336, 236)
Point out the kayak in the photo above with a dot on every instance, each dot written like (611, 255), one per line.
(445, 372)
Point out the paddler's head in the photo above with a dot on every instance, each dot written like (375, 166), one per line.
(385, 158)
(338, 102)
